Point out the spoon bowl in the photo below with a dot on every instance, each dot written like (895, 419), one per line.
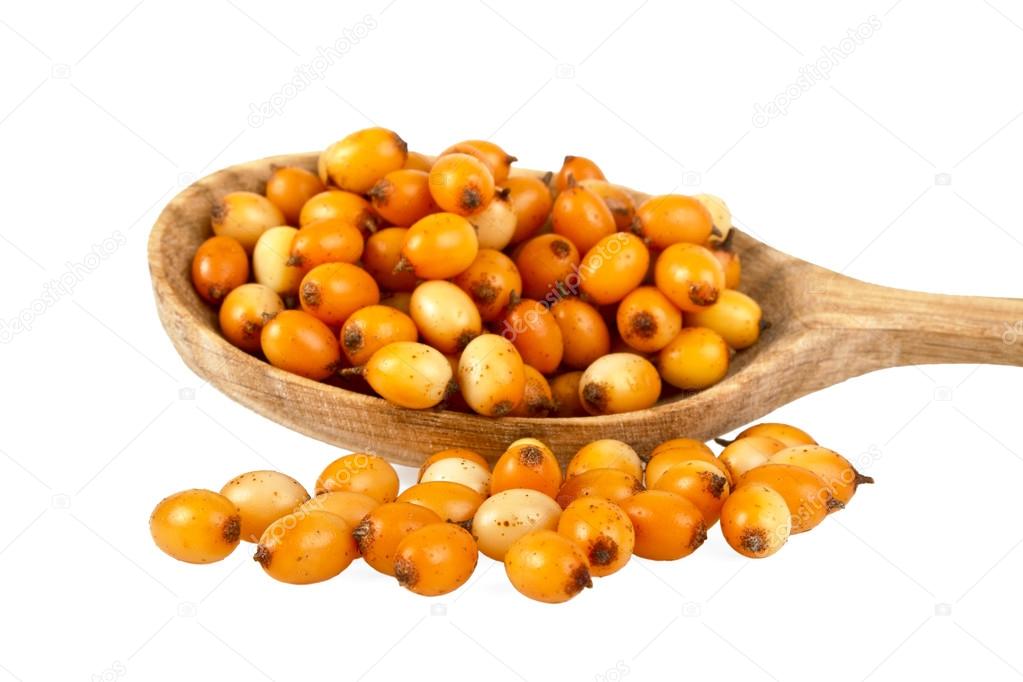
(824, 328)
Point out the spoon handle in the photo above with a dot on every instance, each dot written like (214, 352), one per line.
(914, 328)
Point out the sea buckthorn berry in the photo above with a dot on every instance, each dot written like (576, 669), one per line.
(617, 200)
(350, 506)
(735, 317)
(262, 497)
(606, 453)
(615, 266)
(491, 375)
(647, 320)
(689, 275)
(271, 261)
(356, 162)
(744, 454)
(583, 331)
(673, 219)
(619, 382)
(841, 476)
(549, 265)
(529, 325)
(290, 187)
(537, 399)
(197, 526)
(326, 241)
(457, 470)
(301, 344)
(219, 266)
(369, 329)
(575, 169)
(582, 217)
(701, 483)
(490, 281)
(435, 559)
(807, 495)
(445, 316)
(756, 521)
(360, 472)
(461, 184)
(451, 453)
(681, 443)
(565, 389)
(496, 159)
(244, 313)
(417, 161)
(507, 516)
(720, 216)
(603, 531)
(787, 434)
(439, 246)
(403, 196)
(667, 525)
(244, 216)
(338, 205)
(611, 484)
(666, 459)
(527, 463)
(306, 548)
(382, 530)
(495, 224)
(409, 374)
(382, 257)
(696, 358)
(452, 502)
(333, 291)
(547, 567)
(530, 201)
(732, 265)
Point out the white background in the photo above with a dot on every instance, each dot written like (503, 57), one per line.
(108, 109)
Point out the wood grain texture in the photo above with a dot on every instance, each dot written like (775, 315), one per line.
(825, 328)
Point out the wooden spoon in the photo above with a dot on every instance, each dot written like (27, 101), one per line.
(824, 328)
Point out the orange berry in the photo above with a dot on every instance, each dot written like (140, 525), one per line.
(547, 567)
(339, 205)
(435, 559)
(535, 333)
(807, 495)
(602, 530)
(606, 453)
(663, 460)
(197, 526)
(527, 463)
(507, 516)
(667, 525)
(491, 375)
(360, 472)
(326, 241)
(610, 484)
(453, 453)
(613, 267)
(647, 320)
(403, 196)
(496, 159)
(530, 201)
(750, 452)
(369, 329)
(582, 217)
(440, 246)
(358, 161)
(306, 547)
(301, 344)
(445, 316)
(617, 199)
(701, 483)
(290, 187)
(696, 358)
(333, 291)
(789, 435)
(490, 281)
(735, 317)
(756, 521)
(576, 169)
(619, 382)
(245, 311)
(840, 475)
(244, 216)
(549, 266)
(382, 257)
(382, 530)
(461, 184)
(352, 507)
(220, 265)
(673, 219)
(452, 502)
(689, 275)
(537, 399)
(583, 330)
(409, 374)
(262, 497)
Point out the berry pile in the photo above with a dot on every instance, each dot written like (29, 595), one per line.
(554, 530)
(508, 293)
